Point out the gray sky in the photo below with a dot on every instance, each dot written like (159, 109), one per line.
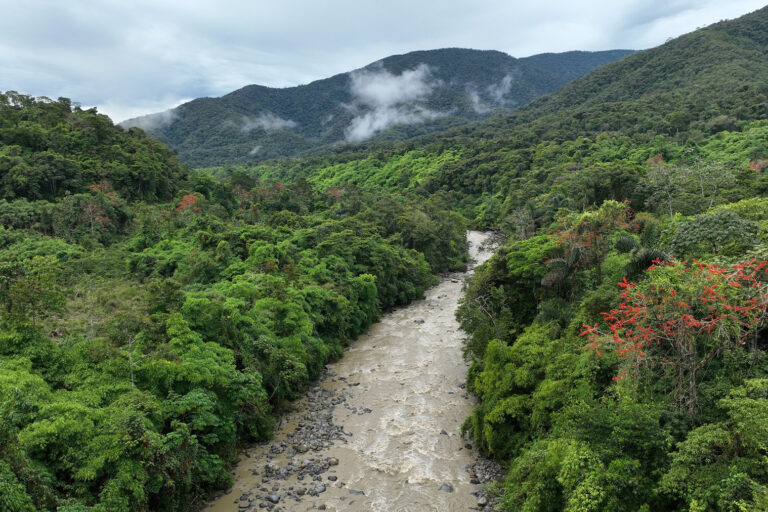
(140, 56)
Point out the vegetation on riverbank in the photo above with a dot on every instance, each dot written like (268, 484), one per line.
(152, 317)
(618, 338)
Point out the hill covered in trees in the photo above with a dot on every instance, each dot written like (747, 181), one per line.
(392, 99)
(679, 98)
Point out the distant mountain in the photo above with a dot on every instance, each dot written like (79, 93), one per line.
(393, 99)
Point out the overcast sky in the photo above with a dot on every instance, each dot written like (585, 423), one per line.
(140, 56)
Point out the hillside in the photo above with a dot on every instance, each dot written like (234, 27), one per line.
(672, 100)
(393, 99)
(719, 70)
(49, 149)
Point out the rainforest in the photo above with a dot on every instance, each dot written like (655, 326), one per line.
(157, 319)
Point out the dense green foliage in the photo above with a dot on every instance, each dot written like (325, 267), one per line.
(152, 318)
(620, 352)
(49, 149)
(461, 86)
(657, 160)
(623, 397)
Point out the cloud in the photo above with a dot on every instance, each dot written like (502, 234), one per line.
(478, 105)
(365, 126)
(255, 150)
(386, 99)
(493, 97)
(498, 91)
(378, 87)
(129, 58)
(267, 121)
(152, 122)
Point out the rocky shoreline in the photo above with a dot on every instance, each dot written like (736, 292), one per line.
(292, 474)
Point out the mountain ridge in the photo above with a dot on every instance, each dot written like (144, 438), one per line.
(394, 98)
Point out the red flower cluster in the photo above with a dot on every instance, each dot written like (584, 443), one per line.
(698, 308)
(189, 202)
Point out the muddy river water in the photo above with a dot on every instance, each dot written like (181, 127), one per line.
(381, 430)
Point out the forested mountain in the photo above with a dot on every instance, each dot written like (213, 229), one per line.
(672, 100)
(396, 98)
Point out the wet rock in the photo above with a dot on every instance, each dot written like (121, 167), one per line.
(274, 498)
(446, 487)
(443, 433)
(333, 478)
(355, 491)
(419, 321)
(483, 470)
(318, 489)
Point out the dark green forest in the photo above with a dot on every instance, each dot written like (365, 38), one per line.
(155, 317)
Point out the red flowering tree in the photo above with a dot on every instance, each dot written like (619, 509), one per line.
(190, 202)
(682, 316)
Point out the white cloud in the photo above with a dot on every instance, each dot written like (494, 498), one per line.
(254, 151)
(266, 121)
(477, 102)
(365, 126)
(152, 121)
(498, 91)
(385, 99)
(378, 87)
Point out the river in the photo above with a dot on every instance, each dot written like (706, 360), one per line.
(381, 430)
